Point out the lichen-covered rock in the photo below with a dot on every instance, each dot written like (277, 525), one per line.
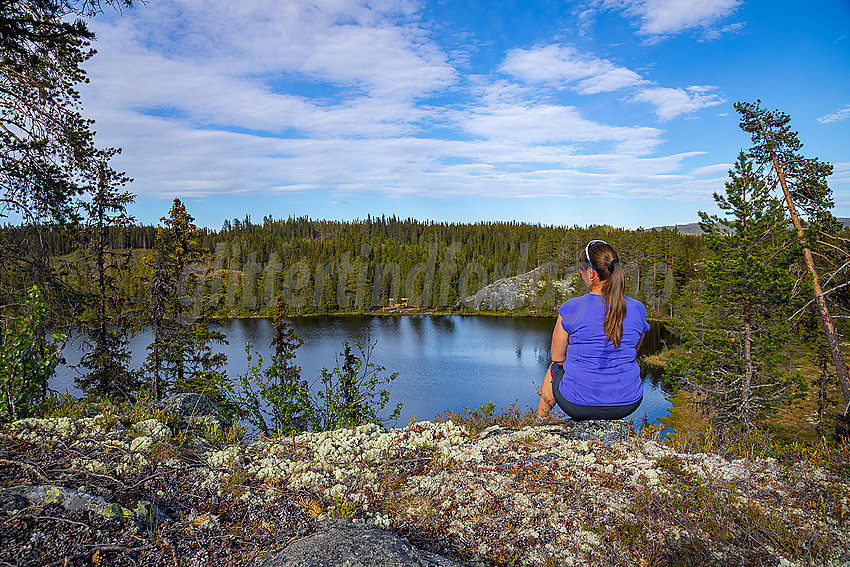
(68, 499)
(606, 432)
(141, 444)
(342, 544)
(567, 493)
(523, 290)
(55, 427)
(227, 457)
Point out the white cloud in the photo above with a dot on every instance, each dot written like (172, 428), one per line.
(670, 103)
(556, 65)
(553, 124)
(838, 116)
(326, 97)
(721, 169)
(564, 65)
(666, 17)
(367, 80)
(376, 47)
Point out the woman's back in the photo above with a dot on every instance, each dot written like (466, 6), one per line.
(595, 371)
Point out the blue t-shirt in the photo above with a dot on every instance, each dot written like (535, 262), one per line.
(596, 373)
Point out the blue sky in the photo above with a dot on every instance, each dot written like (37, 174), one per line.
(586, 112)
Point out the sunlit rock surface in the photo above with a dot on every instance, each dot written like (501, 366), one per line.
(530, 289)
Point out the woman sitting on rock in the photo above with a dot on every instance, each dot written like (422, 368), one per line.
(594, 372)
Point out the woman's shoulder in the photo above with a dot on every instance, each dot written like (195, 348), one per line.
(631, 302)
(574, 308)
(579, 300)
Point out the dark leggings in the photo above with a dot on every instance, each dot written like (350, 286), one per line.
(580, 412)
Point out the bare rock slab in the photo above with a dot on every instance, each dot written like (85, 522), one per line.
(338, 543)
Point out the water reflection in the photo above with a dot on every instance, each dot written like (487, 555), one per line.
(443, 362)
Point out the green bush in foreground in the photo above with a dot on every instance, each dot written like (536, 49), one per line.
(275, 400)
(27, 360)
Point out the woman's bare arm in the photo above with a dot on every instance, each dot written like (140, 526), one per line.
(560, 340)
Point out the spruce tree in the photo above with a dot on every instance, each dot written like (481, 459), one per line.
(106, 319)
(734, 335)
(181, 356)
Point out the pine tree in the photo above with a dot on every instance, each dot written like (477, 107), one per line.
(776, 150)
(734, 336)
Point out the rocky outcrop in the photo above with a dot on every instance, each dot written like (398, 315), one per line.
(567, 493)
(530, 289)
(17, 498)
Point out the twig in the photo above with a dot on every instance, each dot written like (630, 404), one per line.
(106, 548)
(815, 297)
(27, 466)
(89, 473)
(19, 516)
(151, 476)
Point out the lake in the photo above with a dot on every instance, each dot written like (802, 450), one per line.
(443, 362)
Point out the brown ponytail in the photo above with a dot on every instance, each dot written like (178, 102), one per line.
(603, 258)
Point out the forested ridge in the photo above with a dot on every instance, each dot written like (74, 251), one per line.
(241, 248)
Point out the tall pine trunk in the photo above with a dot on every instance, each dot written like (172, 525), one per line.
(820, 301)
(747, 387)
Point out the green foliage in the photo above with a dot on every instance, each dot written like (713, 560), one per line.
(477, 420)
(213, 433)
(343, 509)
(733, 336)
(276, 400)
(61, 405)
(808, 199)
(48, 157)
(115, 409)
(105, 320)
(47, 147)
(804, 178)
(26, 360)
(350, 395)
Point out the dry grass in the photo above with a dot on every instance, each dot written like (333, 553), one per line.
(511, 417)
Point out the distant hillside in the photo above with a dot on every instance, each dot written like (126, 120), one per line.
(690, 228)
(693, 227)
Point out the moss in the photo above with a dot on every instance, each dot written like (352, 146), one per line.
(115, 511)
(53, 495)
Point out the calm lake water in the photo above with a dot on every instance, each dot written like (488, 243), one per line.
(443, 362)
